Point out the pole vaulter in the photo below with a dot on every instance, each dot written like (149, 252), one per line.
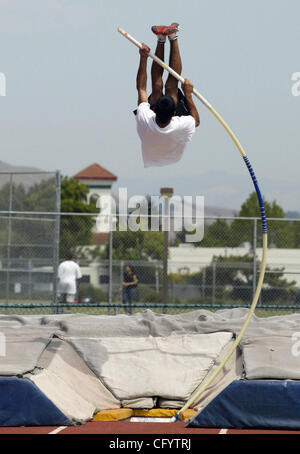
(200, 390)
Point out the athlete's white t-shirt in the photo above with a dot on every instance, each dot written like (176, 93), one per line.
(162, 146)
(68, 273)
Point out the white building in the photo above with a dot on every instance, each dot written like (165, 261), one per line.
(189, 259)
(99, 181)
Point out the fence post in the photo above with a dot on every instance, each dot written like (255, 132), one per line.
(213, 282)
(110, 265)
(56, 241)
(166, 193)
(30, 280)
(156, 280)
(121, 280)
(9, 238)
(121, 271)
(165, 261)
(254, 255)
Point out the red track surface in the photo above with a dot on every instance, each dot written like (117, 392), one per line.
(126, 427)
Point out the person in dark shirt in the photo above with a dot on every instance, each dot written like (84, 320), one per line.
(129, 285)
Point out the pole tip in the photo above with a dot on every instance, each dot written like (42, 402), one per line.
(174, 418)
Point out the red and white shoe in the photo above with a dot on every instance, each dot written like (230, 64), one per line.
(165, 30)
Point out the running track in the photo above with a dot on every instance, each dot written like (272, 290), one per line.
(126, 427)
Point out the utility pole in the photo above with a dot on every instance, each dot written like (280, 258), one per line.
(166, 193)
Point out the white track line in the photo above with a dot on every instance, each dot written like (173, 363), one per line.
(151, 419)
(56, 431)
(223, 432)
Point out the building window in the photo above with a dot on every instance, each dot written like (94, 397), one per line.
(86, 279)
(103, 279)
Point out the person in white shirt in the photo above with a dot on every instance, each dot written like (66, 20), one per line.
(69, 275)
(165, 122)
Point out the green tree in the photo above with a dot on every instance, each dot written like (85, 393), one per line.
(280, 232)
(75, 230)
(296, 232)
(233, 278)
(145, 246)
(38, 229)
(136, 246)
(30, 229)
(38, 197)
(42, 196)
(217, 234)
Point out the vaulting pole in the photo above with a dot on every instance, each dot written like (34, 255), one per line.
(200, 390)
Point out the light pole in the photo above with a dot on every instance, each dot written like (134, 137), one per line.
(166, 193)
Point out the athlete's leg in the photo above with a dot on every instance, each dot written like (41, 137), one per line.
(175, 63)
(157, 73)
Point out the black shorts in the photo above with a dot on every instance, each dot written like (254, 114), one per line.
(181, 108)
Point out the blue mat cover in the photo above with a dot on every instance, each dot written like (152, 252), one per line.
(259, 404)
(23, 404)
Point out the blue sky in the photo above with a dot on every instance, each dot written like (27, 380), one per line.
(71, 85)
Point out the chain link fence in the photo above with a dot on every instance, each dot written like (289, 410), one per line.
(221, 271)
(174, 275)
(29, 238)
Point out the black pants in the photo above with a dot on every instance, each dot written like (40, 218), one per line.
(127, 294)
(181, 108)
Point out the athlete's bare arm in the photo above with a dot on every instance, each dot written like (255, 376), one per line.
(141, 78)
(187, 88)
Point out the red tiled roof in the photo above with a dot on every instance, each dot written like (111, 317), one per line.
(100, 239)
(95, 172)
